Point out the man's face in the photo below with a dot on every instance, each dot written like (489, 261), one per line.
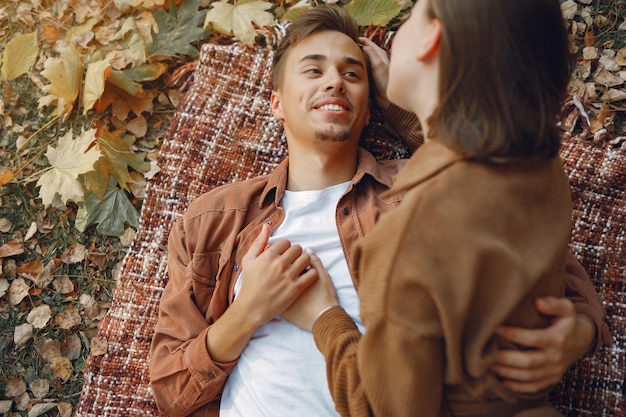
(324, 92)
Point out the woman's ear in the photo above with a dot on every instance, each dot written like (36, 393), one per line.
(277, 109)
(430, 44)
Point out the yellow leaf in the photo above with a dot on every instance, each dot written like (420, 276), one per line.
(19, 55)
(97, 73)
(237, 19)
(69, 159)
(65, 76)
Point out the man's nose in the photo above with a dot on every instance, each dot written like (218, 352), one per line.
(335, 82)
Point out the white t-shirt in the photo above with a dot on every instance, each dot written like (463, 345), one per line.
(281, 372)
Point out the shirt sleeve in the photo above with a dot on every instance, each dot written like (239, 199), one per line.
(580, 290)
(183, 375)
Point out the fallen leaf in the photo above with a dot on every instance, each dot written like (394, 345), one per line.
(19, 54)
(68, 160)
(4, 286)
(98, 259)
(11, 248)
(15, 387)
(373, 12)
(22, 401)
(71, 347)
(178, 29)
(65, 76)
(39, 387)
(98, 346)
(49, 349)
(40, 408)
(74, 254)
(65, 409)
(22, 334)
(122, 103)
(68, 318)
(63, 285)
(5, 225)
(95, 78)
(31, 231)
(39, 316)
(6, 177)
(237, 19)
(5, 406)
(36, 272)
(18, 291)
(62, 368)
(115, 148)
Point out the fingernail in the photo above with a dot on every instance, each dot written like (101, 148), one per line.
(310, 251)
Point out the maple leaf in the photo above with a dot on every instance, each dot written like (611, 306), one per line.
(237, 19)
(65, 76)
(68, 160)
(123, 102)
(19, 55)
(373, 12)
(97, 73)
(110, 213)
(115, 148)
(177, 30)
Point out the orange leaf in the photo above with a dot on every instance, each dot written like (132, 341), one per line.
(50, 33)
(123, 103)
(5, 177)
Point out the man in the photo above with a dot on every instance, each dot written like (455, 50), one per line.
(220, 345)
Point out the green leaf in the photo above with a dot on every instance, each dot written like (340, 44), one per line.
(19, 55)
(178, 29)
(373, 12)
(110, 214)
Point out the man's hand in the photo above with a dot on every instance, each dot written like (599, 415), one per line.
(379, 62)
(553, 349)
(273, 277)
(316, 298)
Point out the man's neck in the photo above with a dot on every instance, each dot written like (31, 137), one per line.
(314, 170)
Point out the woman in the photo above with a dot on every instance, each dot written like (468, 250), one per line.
(484, 224)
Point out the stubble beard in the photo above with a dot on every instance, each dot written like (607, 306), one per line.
(333, 134)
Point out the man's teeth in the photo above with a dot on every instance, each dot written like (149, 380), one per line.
(332, 107)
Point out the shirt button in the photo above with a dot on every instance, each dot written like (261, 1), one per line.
(211, 375)
(346, 211)
(236, 267)
(269, 222)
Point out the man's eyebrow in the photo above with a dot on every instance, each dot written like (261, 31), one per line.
(319, 57)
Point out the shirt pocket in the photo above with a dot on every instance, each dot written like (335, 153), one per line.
(204, 268)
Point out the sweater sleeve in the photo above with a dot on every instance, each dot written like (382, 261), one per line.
(183, 376)
(580, 290)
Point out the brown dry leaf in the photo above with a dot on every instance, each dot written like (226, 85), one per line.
(22, 334)
(40, 408)
(39, 316)
(4, 286)
(607, 78)
(74, 254)
(49, 349)
(6, 177)
(65, 409)
(620, 57)
(98, 346)
(22, 401)
(18, 291)
(62, 368)
(36, 272)
(39, 387)
(63, 285)
(15, 387)
(613, 95)
(5, 406)
(11, 248)
(5, 225)
(31, 231)
(123, 103)
(71, 347)
(68, 318)
(50, 33)
(98, 259)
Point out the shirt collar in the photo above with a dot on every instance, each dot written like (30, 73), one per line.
(366, 166)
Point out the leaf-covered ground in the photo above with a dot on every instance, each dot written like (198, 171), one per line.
(87, 91)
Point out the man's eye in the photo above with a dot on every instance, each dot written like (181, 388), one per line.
(312, 71)
(352, 74)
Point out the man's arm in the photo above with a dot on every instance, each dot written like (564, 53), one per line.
(190, 358)
(578, 327)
